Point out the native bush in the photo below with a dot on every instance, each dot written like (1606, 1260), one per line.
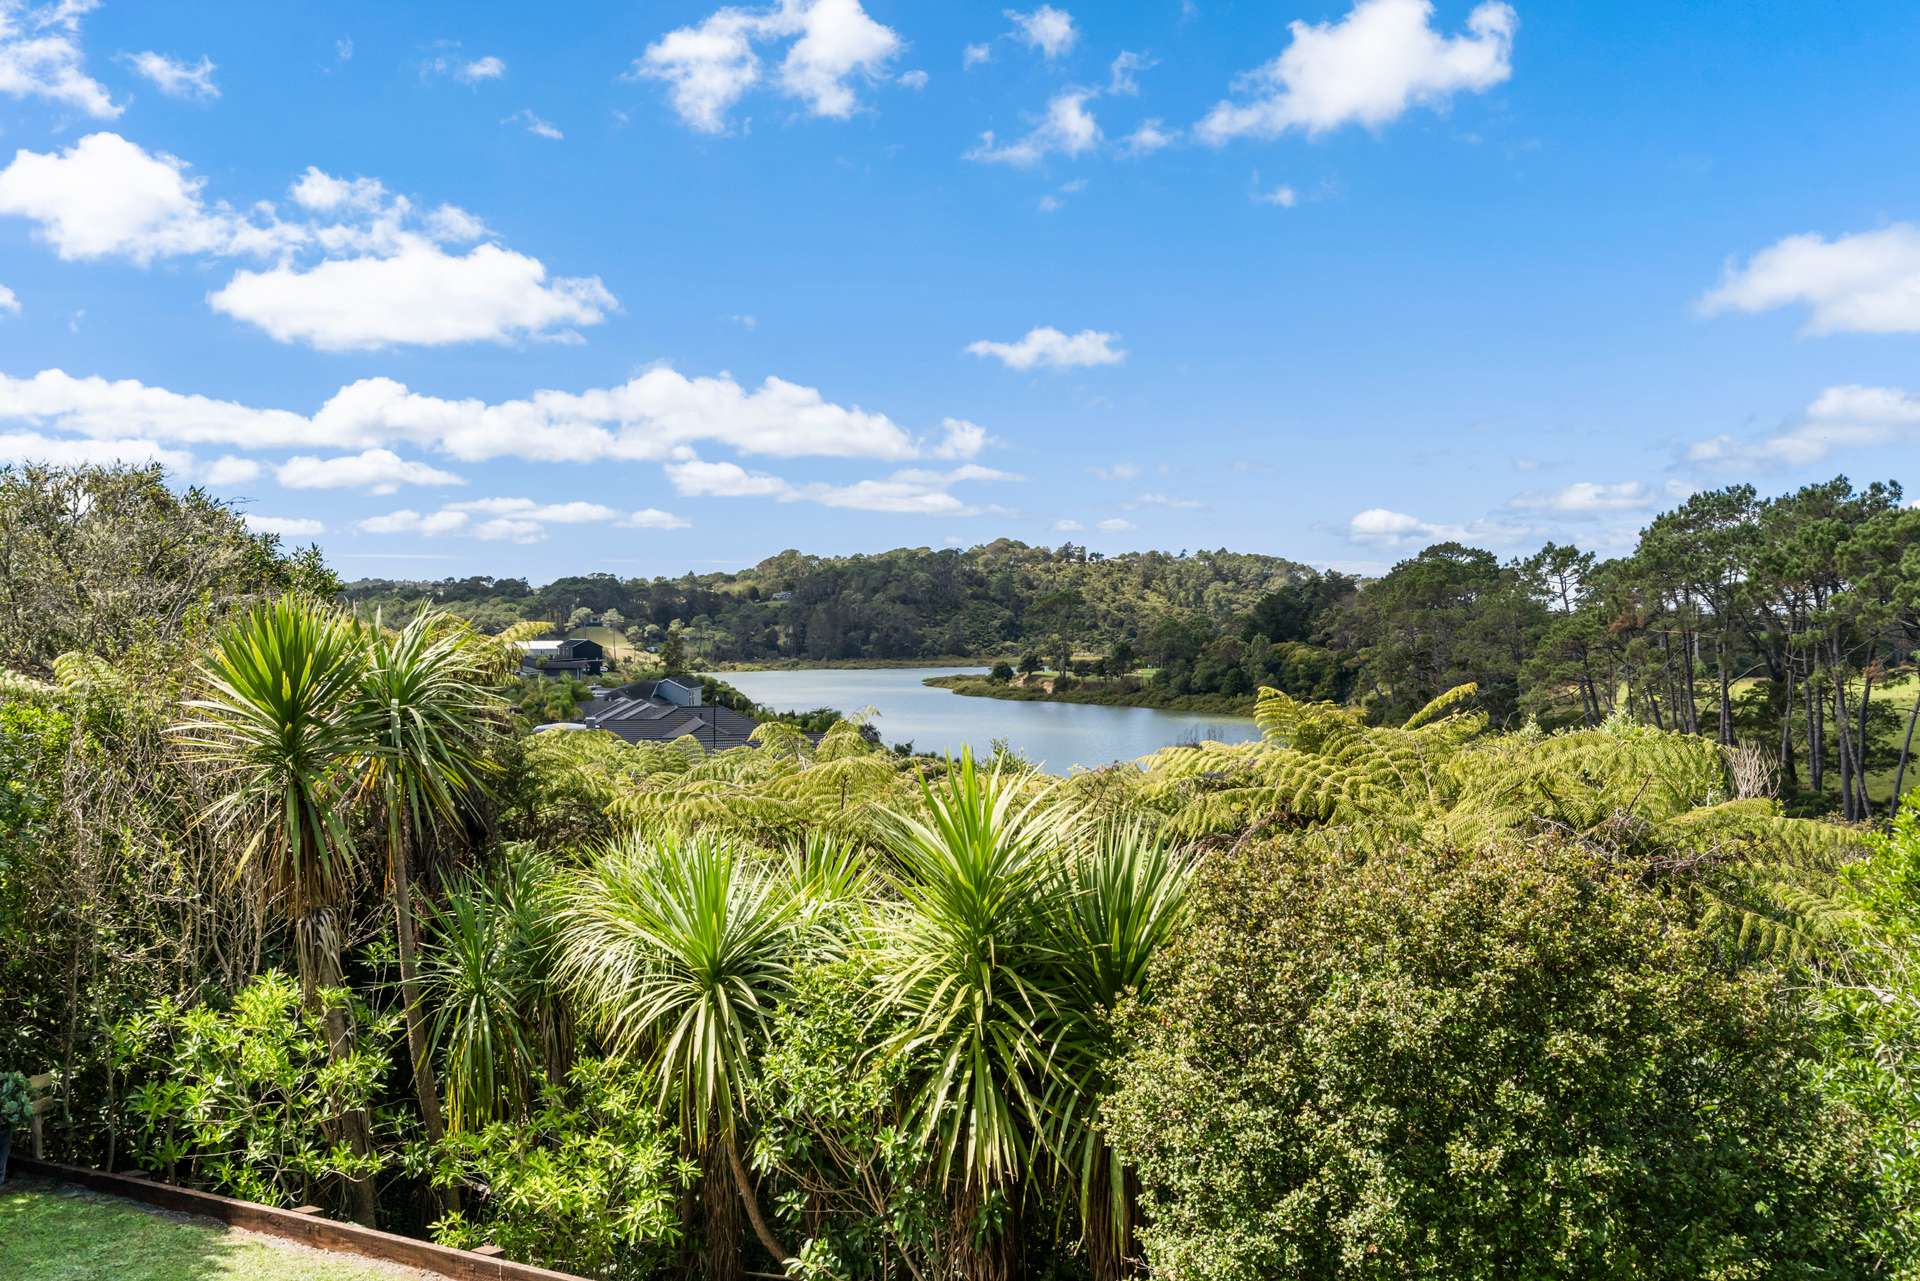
(1498, 1063)
(248, 1101)
(587, 1184)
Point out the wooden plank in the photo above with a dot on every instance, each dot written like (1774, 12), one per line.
(297, 1225)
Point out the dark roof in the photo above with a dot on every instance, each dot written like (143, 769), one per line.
(650, 720)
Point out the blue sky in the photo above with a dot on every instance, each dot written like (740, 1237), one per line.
(653, 287)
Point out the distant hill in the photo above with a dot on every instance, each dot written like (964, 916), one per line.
(907, 603)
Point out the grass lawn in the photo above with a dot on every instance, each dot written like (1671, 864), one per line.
(51, 1232)
(616, 645)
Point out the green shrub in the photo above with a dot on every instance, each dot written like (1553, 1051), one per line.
(588, 1184)
(246, 1101)
(16, 1102)
(1511, 1063)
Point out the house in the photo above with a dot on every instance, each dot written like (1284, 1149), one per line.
(558, 657)
(659, 711)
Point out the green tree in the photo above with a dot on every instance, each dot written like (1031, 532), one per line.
(1472, 1064)
(673, 650)
(282, 722)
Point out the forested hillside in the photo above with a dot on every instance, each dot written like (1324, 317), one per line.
(906, 603)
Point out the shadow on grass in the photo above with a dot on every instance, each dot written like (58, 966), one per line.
(52, 1232)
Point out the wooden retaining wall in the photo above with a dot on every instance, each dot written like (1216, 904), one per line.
(308, 1228)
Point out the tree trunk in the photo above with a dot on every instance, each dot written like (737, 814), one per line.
(1848, 767)
(400, 882)
(1906, 748)
(1726, 696)
(1866, 700)
(751, 1204)
(722, 1212)
(317, 951)
(1789, 777)
(1816, 757)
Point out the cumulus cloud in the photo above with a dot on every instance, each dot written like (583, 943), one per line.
(60, 451)
(710, 66)
(654, 518)
(421, 295)
(9, 302)
(364, 271)
(285, 526)
(229, 469)
(1050, 348)
(409, 521)
(1166, 500)
(379, 471)
(1149, 137)
(1384, 528)
(960, 439)
(174, 78)
(1588, 498)
(1046, 29)
(485, 68)
(1368, 68)
(107, 197)
(1067, 129)
(40, 56)
(913, 491)
(975, 54)
(1280, 197)
(1067, 525)
(1868, 282)
(1115, 525)
(1840, 418)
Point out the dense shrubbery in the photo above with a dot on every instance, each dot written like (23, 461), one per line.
(1510, 1061)
(1435, 1001)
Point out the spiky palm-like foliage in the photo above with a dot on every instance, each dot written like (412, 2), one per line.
(680, 950)
(961, 962)
(282, 726)
(425, 703)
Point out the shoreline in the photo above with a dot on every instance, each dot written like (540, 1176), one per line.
(1097, 695)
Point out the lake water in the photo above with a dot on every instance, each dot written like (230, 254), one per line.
(1057, 736)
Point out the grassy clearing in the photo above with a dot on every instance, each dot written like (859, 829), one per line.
(49, 1232)
(617, 646)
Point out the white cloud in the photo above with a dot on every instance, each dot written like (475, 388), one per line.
(1150, 137)
(536, 126)
(654, 518)
(105, 197)
(648, 418)
(1588, 498)
(576, 512)
(1840, 418)
(1123, 75)
(9, 302)
(1047, 29)
(40, 56)
(33, 447)
(915, 79)
(1114, 525)
(975, 54)
(1166, 500)
(1047, 347)
(486, 68)
(421, 295)
(1067, 525)
(321, 191)
(1868, 282)
(379, 471)
(698, 479)
(1067, 129)
(1369, 68)
(383, 277)
(409, 521)
(960, 439)
(913, 491)
(174, 78)
(231, 470)
(343, 49)
(1281, 197)
(711, 66)
(285, 526)
(1384, 528)
(1118, 471)
(510, 530)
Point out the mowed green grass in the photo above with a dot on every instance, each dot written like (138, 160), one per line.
(50, 1232)
(1898, 694)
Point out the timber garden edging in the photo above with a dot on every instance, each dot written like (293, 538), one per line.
(301, 1225)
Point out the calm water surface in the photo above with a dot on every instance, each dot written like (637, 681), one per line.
(1057, 736)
